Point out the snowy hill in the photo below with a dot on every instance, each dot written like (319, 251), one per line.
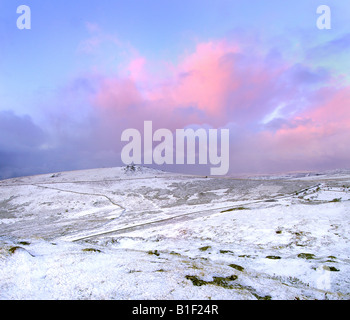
(140, 233)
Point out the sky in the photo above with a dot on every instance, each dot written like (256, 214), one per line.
(88, 70)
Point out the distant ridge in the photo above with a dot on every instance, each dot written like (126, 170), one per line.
(300, 174)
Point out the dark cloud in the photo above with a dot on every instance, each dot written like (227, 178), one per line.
(21, 145)
(19, 133)
(27, 149)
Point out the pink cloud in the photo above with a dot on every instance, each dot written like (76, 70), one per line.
(335, 109)
(117, 94)
(209, 85)
(220, 84)
(203, 79)
(317, 140)
(136, 69)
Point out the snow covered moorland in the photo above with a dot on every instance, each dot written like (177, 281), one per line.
(138, 233)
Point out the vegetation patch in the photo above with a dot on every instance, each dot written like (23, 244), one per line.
(205, 248)
(273, 257)
(333, 269)
(223, 282)
(331, 259)
(336, 200)
(226, 251)
(196, 281)
(24, 243)
(244, 256)
(13, 250)
(193, 266)
(307, 256)
(155, 252)
(260, 297)
(253, 292)
(234, 209)
(91, 250)
(236, 266)
(134, 271)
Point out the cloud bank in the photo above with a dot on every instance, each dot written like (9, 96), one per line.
(282, 115)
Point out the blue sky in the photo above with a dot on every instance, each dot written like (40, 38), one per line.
(37, 61)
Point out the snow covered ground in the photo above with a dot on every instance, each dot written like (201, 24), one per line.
(119, 233)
